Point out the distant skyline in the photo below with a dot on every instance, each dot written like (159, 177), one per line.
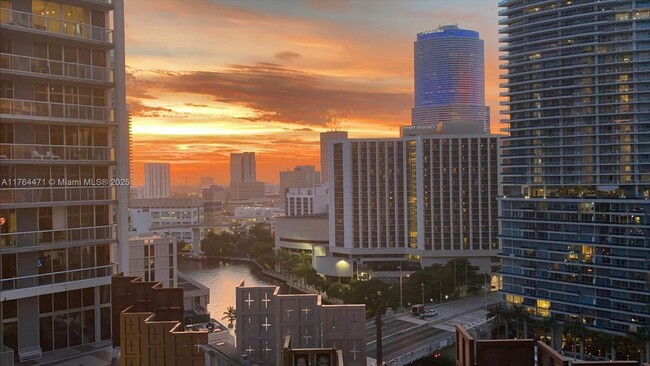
(207, 78)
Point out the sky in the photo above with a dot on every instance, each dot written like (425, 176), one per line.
(206, 78)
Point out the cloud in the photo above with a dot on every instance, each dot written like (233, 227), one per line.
(278, 94)
(286, 55)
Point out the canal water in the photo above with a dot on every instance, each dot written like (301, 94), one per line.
(221, 278)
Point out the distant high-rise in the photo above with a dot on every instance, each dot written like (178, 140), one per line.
(64, 152)
(242, 167)
(575, 215)
(325, 138)
(156, 180)
(243, 183)
(449, 80)
(207, 182)
(302, 176)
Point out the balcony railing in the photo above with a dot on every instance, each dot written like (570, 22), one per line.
(34, 238)
(56, 25)
(55, 110)
(11, 196)
(22, 282)
(55, 152)
(55, 68)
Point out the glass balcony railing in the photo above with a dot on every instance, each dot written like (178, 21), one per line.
(55, 68)
(22, 282)
(9, 196)
(43, 237)
(55, 152)
(55, 110)
(56, 25)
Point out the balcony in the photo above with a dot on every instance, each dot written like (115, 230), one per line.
(34, 238)
(18, 107)
(42, 194)
(55, 25)
(55, 68)
(56, 153)
(23, 282)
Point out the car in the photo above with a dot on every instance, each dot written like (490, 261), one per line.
(430, 313)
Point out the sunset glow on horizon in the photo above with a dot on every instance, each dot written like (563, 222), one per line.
(208, 78)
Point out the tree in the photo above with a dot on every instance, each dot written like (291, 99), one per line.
(605, 342)
(545, 325)
(502, 316)
(372, 293)
(640, 339)
(230, 315)
(219, 245)
(576, 331)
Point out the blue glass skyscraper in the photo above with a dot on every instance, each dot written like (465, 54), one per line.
(449, 80)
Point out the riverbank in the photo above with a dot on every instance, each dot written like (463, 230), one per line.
(295, 284)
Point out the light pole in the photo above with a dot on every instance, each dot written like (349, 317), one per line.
(401, 306)
(422, 293)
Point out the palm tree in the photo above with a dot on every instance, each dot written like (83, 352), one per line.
(545, 324)
(577, 331)
(607, 342)
(520, 314)
(640, 339)
(230, 315)
(502, 316)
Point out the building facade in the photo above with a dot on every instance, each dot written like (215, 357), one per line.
(449, 80)
(575, 228)
(265, 318)
(178, 216)
(413, 201)
(63, 143)
(152, 257)
(156, 180)
(242, 167)
(302, 176)
(306, 201)
(325, 138)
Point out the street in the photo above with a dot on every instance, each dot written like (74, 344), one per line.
(404, 333)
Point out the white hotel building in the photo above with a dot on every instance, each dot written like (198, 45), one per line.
(62, 116)
(413, 201)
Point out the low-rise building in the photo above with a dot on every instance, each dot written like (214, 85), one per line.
(152, 256)
(172, 215)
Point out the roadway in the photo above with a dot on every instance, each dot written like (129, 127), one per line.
(403, 333)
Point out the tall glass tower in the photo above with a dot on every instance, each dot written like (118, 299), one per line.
(449, 80)
(575, 215)
(64, 169)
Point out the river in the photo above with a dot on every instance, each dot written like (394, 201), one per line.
(221, 278)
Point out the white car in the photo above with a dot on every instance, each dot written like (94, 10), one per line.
(430, 313)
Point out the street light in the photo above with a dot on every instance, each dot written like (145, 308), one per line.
(400, 288)
(423, 293)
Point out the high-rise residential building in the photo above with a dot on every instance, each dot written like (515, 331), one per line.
(242, 167)
(156, 180)
(243, 182)
(64, 147)
(325, 139)
(575, 228)
(449, 80)
(302, 176)
(414, 201)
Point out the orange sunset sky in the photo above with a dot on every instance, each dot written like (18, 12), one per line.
(207, 78)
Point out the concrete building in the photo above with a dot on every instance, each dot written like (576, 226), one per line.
(242, 167)
(306, 201)
(174, 215)
(449, 77)
(299, 234)
(152, 257)
(325, 139)
(63, 128)
(214, 202)
(265, 318)
(246, 192)
(156, 180)
(413, 201)
(302, 176)
(148, 325)
(574, 228)
(250, 212)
